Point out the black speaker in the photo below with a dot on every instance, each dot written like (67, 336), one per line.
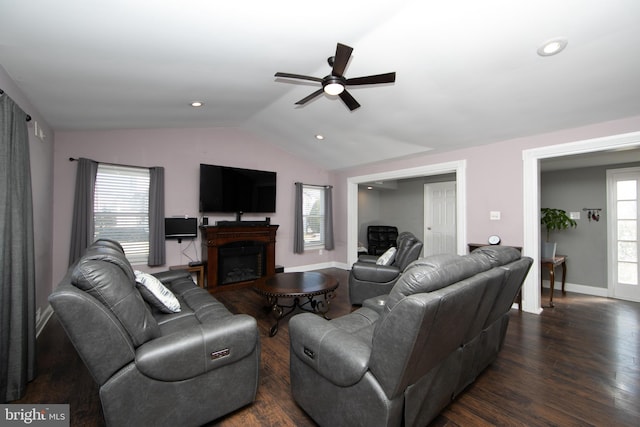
(205, 220)
(268, 220)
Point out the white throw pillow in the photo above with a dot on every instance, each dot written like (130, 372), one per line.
(387, 257)
(156, 294)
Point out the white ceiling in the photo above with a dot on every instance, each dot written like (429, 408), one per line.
(467, 70)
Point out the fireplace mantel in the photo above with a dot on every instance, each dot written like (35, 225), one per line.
(215, 236)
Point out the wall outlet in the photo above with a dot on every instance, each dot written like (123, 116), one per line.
(494, 215)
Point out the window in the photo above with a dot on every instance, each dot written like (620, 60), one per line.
(313, 216)
(121, 209)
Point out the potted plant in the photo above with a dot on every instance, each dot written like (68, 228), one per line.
(554, 219)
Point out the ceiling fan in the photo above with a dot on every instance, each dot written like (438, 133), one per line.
(334, 83)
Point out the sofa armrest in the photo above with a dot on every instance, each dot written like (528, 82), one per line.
(367, 272)
(171, 275)
(370, 259)
(194, 351)
(376, 304)
(336, 355)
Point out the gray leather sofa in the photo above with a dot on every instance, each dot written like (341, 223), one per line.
(403, 357)
(155, 368)
(368, 279)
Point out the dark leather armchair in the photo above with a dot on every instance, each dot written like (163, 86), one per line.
(368, 279)
(380, 238)
(155, 367)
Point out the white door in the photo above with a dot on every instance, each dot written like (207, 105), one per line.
(623, 191)
(440, 218)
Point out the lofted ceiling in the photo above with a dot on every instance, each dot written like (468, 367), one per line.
(467, 70)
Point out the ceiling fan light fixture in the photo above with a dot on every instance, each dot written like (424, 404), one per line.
(197, 104)
(552, 47)
(335, 83)
(334, 88)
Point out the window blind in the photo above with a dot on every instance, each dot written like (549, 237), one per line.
(121, 208)
(313, 215)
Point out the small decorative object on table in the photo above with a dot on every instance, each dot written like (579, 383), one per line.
(494, 239)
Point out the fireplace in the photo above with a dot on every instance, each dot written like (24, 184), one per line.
(240, 261)
(236, 255)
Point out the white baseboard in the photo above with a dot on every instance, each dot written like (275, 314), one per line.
(311, 267)
(44, 318)
(579, 289)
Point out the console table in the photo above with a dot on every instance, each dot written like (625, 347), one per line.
(551, 264)
(216, 236)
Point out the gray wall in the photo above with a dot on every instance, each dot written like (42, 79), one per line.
(402, 206)
(585, 245)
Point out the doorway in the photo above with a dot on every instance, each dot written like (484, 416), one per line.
(457, 167)
(531, 177)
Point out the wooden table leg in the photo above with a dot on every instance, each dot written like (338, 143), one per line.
(551, 283)
(564, 275)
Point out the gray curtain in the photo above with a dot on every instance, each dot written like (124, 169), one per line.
(328, 218)
(17, 286)
(298, 232)
(82, 227)
(157, 251)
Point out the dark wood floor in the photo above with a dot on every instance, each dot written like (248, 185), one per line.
(577, 364)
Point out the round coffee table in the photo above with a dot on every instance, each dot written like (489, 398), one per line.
(299, 286)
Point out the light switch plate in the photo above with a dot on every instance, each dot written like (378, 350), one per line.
(574, 215)
(494, 215)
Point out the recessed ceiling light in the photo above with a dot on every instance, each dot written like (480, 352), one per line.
(553, 46)
(319, 137)
(197, 104)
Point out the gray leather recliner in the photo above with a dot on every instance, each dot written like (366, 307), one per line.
(403, 357)
(368, 279)
(154, 368)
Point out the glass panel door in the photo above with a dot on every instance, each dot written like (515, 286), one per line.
(623, 187)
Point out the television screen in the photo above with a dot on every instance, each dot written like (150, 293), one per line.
(180, 228)
(227, 189)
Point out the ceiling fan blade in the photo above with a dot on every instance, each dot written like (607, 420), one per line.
(343, 53)
(310, 97)
(298, 76)
(349, 100)
(372, 80)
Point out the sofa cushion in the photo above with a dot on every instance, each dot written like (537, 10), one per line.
(101, 252)
(387, 257)
(108, 283)
(156, 294)
(409, 248)
(433, 273)
(497, 255)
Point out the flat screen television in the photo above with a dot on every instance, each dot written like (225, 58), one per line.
(180, 228)
(225, 189)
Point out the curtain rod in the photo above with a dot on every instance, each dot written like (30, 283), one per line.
(315, 185)
(28, 116)
(72, 159)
